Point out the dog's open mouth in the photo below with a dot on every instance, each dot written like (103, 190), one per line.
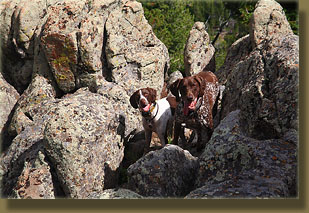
(189, 106)
(146, 108)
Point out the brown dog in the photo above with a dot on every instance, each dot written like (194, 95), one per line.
(197, 96)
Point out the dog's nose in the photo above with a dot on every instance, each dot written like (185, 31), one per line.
(143, 103)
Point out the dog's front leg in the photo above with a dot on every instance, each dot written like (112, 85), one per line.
(163, 138)
(177, 130)
(199, 144)
(161, 130)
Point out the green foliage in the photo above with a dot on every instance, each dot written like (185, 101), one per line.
(291, 12)
(219, 14)
(293, 20)
(246, 11)
(171, 22)
(169, 140)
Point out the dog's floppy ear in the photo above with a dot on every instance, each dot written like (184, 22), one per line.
(174, 88)
(133, 99)
(201, 81)
(152, 94)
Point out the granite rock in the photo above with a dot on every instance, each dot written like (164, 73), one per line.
(199, 52)
(168, 172)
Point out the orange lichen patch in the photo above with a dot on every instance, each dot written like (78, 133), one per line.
(61, 55)
(29, 184)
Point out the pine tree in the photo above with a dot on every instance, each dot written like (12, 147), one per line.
(171, 21)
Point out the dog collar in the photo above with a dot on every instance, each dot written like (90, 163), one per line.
(152, 108)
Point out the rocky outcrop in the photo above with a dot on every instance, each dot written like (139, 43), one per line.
(52, 53)
(76, 45)
(268, 23)
(253, 151)
(136, 54)
(169, 172)
(71, 132)
(231, 158)
(261, 78)
(199, 52)
(84, 144)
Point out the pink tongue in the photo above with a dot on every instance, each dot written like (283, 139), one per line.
(188, 106)
(192, 104)
(146, 108)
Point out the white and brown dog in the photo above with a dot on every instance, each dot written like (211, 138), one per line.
(157, 114)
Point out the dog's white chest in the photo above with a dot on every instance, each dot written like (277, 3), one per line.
(159, 116)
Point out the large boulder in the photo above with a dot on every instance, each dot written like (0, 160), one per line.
(35, 181)
(82, 138)
(29, 107)
(82, 39)
(72, 40)
(232, 159)
(135, 54)
(261, 77)
(19, 156)
(199, 52)
(169, 172)
(84, 143)
(268, 23)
